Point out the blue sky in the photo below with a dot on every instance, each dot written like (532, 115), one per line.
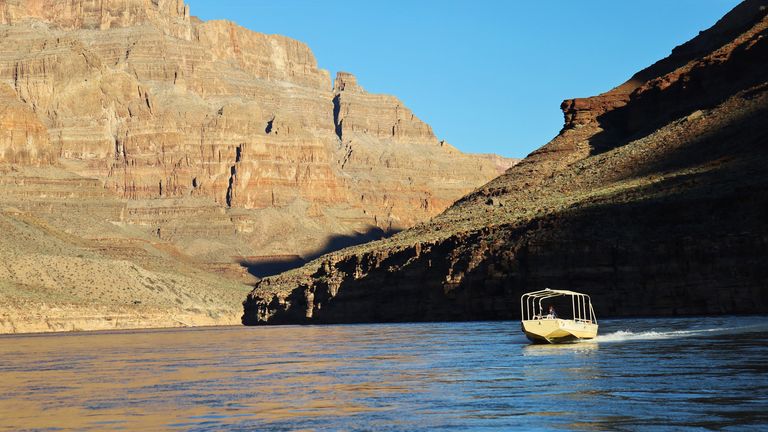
(488, 75)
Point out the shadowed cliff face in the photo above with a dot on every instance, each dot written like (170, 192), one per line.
(271, 265)
(652, 199)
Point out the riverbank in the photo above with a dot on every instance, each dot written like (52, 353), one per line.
(72, 318)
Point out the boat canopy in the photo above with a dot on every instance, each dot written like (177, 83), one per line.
(581, 304)
(552, 293)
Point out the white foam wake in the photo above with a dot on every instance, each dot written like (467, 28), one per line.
(627, 335)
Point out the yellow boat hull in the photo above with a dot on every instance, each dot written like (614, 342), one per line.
(555, 330)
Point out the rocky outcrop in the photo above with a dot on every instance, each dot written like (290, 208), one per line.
(172, 16)
(652, 199)
(217, 143)
(23, 138)
(372, 130)
(357, 113)
(269, 57)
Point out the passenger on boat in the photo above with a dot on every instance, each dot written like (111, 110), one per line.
(551, 314)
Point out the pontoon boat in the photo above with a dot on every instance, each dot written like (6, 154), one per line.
(542, 324)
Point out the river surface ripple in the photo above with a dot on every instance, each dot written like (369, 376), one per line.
(640, 374)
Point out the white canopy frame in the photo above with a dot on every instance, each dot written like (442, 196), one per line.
(580, 303)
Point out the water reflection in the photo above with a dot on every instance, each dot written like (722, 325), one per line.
(394, 377)
(547, 350)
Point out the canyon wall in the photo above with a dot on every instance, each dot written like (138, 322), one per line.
(652, 199)
(203, 144)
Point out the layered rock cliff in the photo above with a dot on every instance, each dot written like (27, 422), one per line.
(653, 199)
(213, 147)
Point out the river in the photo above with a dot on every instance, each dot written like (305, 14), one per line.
(640, 374)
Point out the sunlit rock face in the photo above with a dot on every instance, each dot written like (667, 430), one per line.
(161, 105)
(218, 145)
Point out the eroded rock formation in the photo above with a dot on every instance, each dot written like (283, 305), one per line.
(161, 105)
(653, 199)
(217, 146)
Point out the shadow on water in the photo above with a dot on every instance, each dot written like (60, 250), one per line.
(264, 266)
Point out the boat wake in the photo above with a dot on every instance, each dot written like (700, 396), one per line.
(625, 335)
